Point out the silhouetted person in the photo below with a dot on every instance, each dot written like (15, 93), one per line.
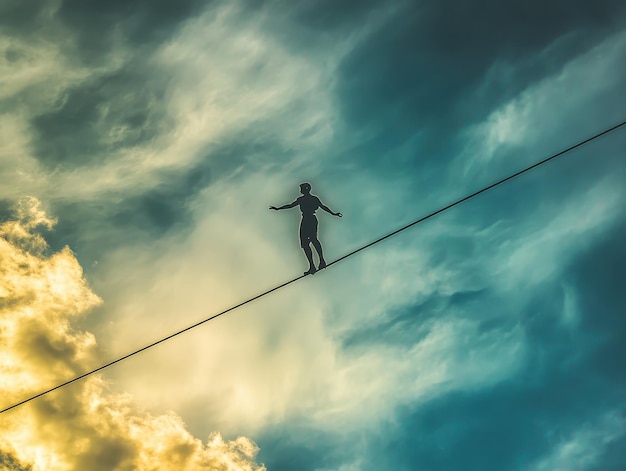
(308, 226)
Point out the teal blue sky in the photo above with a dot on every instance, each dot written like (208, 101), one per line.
(492, 337)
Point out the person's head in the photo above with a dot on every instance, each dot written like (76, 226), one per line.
(305, 188)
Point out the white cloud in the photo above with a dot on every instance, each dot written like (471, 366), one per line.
(34, 81)
(223, 73)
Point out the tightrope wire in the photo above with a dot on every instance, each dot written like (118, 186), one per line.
(360, 249)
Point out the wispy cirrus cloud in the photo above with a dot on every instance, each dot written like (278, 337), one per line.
(538, 111)
(581, 450)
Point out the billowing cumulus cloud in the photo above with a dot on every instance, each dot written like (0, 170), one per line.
(82, 426)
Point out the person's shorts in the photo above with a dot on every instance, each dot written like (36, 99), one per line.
(308, 230)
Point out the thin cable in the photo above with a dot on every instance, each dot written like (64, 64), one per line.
(153, 344)
(380, 239)
(483, 190)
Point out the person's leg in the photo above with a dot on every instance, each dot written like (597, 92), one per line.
(309, 255)
(305, 244)
(318, 246)
(316, 243)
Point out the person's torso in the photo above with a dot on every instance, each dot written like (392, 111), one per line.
(308, 204)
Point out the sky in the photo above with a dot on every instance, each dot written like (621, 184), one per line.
(141, 145)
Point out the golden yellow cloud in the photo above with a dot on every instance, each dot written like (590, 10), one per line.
(82, 427)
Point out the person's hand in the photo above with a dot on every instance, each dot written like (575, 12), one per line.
(339, 215)
(274, 208)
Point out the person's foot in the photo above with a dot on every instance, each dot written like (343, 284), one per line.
(322, 264)
(310, 271)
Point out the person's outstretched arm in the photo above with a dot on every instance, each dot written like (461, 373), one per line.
(329, 211)
(285, 206)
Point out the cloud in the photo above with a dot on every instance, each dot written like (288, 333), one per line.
(122, 121)
(537, 112)
(159, 145)
(583, 449)
(9, 463)
(557, 234)
(82, 426)
(39, 72)
(284, 357)
(114, 145)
